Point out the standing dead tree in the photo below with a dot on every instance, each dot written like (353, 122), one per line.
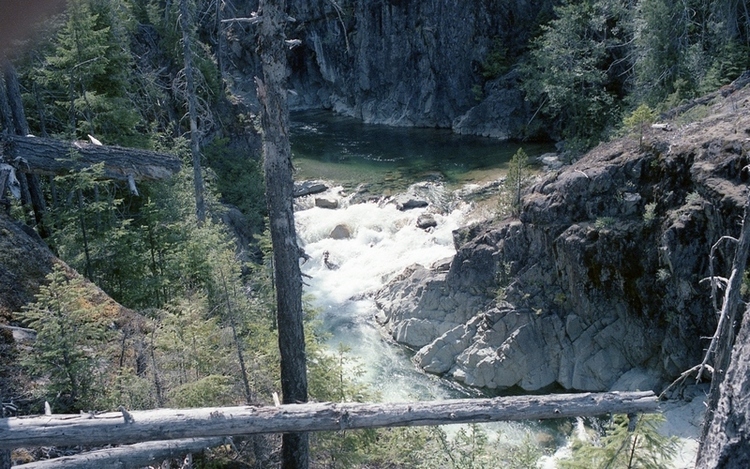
(277, 154)
(726, 426)
(186, 24)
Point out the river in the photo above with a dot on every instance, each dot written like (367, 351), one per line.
(384, 240)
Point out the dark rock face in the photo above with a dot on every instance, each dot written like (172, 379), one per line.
(405, 63)
(600, 275)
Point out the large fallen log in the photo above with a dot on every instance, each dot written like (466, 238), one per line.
(166, 424)
(45, 156)
(137, 455)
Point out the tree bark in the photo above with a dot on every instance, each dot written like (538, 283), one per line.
(44, 156)
(5, 113)
(166, 424)
(21, 126)
(186, 25)
(725, 441)
(129, 456)
(277, 155)
(14, 100)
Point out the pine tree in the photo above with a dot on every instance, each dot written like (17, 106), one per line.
(72, 337)
(86, 74)
(516, 180)
(628, 443)
(577, 66)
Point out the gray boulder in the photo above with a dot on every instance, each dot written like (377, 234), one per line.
(326, 203)
(426, 221)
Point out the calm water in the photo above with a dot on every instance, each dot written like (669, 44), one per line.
(332, 147)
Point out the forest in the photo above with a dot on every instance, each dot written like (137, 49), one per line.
(189, 258)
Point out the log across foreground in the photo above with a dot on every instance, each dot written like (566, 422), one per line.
(167, 424)
(46, 156)
(137, 455)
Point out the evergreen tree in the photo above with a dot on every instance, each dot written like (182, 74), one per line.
(626, 444)
(575, 69)
(71, 343)
(86, 75)
(517, 178)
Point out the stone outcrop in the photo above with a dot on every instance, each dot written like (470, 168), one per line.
(601, 274)
(402, 63)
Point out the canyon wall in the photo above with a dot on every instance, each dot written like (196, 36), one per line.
(404, 63)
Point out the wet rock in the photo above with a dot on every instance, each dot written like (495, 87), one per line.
(404, 63)
(412, 203)
(340, 232)
(426, 221)
(326, 203)
(304, 188)
(581, 289)
(501, 114)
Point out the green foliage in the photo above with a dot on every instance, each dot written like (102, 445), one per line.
(571, 73)
(729, 61)
(239, 180)
(517, 178)
(496, 63)
(86, 75)
(649, 213)
(128, 389)
(603, 223)
(70, 350)
(639, 120)
(210, 391)
(685, 48)
(625, 445)
(336, 377)
(467, 449)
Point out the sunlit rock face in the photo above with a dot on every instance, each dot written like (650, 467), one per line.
(601, 274)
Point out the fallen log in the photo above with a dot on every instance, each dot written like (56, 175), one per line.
(137, 455)
(166, 424)
(45, 156)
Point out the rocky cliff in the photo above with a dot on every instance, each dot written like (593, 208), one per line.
(601, 278)
(404, 63)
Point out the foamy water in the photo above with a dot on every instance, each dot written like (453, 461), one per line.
(383, 241)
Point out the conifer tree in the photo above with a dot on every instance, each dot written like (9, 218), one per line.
(72, 336)
(517, 178)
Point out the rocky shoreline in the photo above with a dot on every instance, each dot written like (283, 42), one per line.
(598, 284)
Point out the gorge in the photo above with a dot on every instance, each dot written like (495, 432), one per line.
(602, 274)
(599, 283)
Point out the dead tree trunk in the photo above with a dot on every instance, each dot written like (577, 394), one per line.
(186, 24)
(726, 429)
(166, 424)
(277, 155)
(21, 125)
(49, 157)
(129, 456)
(5, 113)
(726, 443)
